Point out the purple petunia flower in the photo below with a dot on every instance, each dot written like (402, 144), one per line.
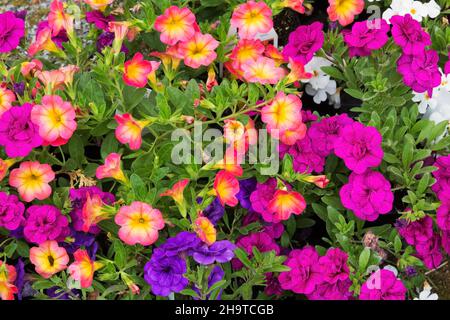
(215, 276)
(368, 195)
(430, 252)
(17, 133)
(20, 278)
(214, 212)
(262, 195)
(99, 19)
(366, 36)
(304, 42)
(106, 40)
(12, 29)
(82, 240)
(219, 251)
(409, 35)
(383, 285)
(182, 244)
(19, 88)
(417, 231)
(165, 274)
(11, 211)
(45, 222)
(246, 187)
(360, 147)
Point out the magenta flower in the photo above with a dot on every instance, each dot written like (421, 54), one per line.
(383, 285)
(417, 231)
(45, 222)
(304, 275)
(360, 147)
(443, 216)
(11, 211)
(12, 29)
(366, 36)
(420, 71)
(326, 131)
(57, 39)
(17, 133)
(260, 240)
(368, 195)
(442, 176)
(304, 42)
(446, 241)
(447, 65)
(408, 34)
(332, 291)
(306, 160)
(99, 19)
(334, 266)
(430, 252)
(262, 195)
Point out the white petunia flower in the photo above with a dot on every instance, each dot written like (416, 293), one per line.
(426, 293)
(321, 94)
(425, 101)
(320, 79)
(432, 9)
(403, 7)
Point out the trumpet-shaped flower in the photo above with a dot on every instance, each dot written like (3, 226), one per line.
(129, 130)
(28, 68)
(111, 168)
(52, 80)
(226, 187)
(245, 50)
(232, 160)
(49, 258)
(69, 72)
(298, 72)
(59, 20)
(198, 50)
(139, 223)
(176, 24)
(177, 191)
(252, 18)
(205, 230)
(43, 42)
(296, 5)
(7, 97)
(82, 270)
(98, 4)
(93, 212)
(283, 204)
(262, 70)
(8, 276)
(344, 11)
(55, 119)
(283, 113)
(32, 180)
(137, 71)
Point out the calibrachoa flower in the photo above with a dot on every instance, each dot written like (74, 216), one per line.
(4, 167)
(304, 42)
(260, 240)
(447, 66)
(32, 180)
(246, 187)
(11, 211)
(98, 4)
(176, 192)
(184, 243)
(262, 195)
(417, 231)
(283, 113)
(139, 223)
(49, 258)
(443, 215)
(296, 5)
(283, 204)
(215, 276)
(366, 36)
(18, 134)
(111, 168)
(43, 41)
(59, 20)
(306, 159)
(368, 195)
(262, 70)
(165, 274)
(332, 291)
(45, 222)
(219, 251)
(55, 119)
(205, 230)
(408, 34)
(383, 285)
(12, 30)
(420, 71)
(226, 187)
(176, 24)
(215, 211)
(442, 175)
(99, 19)
(305, 273)
(138, 70)
(252, 18)
(129, 130)
(245, 50)
(93, 211)
(7, 97)
(8, 275)
(82, 270)
(334, 266)
(430, 252)
(344, 11)
(359, 146)
(199, 50)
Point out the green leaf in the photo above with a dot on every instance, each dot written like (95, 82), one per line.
(334, 73)
(364, 259)
(242, 256)
(120, 254)
(354, 93)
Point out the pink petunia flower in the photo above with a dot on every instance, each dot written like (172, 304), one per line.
(83, 268)
(344, 11)
(199, 50)
(176, 24)
(129, 130)
(252, 18)
(383, 285)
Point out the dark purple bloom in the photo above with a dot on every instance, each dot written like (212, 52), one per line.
(105, 40)
(12, 29)
(246, 187)
(22, 14)
(99, 19)
(59, 294)
(44, 223)
(410, 271)
(273, 286)
(219, 251)
(165, 274)
(82, 240)
(183, 243)
(20, 278)
(214, 212)
(19, 88)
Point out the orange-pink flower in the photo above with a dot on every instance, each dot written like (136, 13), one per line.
(205, 230)
(198, 50)
(32, 180)
(283, 113)
(4, 167)
(59, 20)
(129, 130)
(320, 181)
(8, 275)
(344, 11)
(252, 18)
(7, 97)
(297, 72)
(55, 119)
(273, 53)
(30, 67)
(69, 72)
(82, 270)
(52, 80)
(232, 160)
(262, 70)
(139, 223)
(296, 5)
(93, 212)
(138, 70)
(43, 42)
(111, 168)
(49, 258)
(283, 204)
(245, 50)
(177, 191)
(98, 4)
(226, 187)
(176, 24)
(292, 135)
